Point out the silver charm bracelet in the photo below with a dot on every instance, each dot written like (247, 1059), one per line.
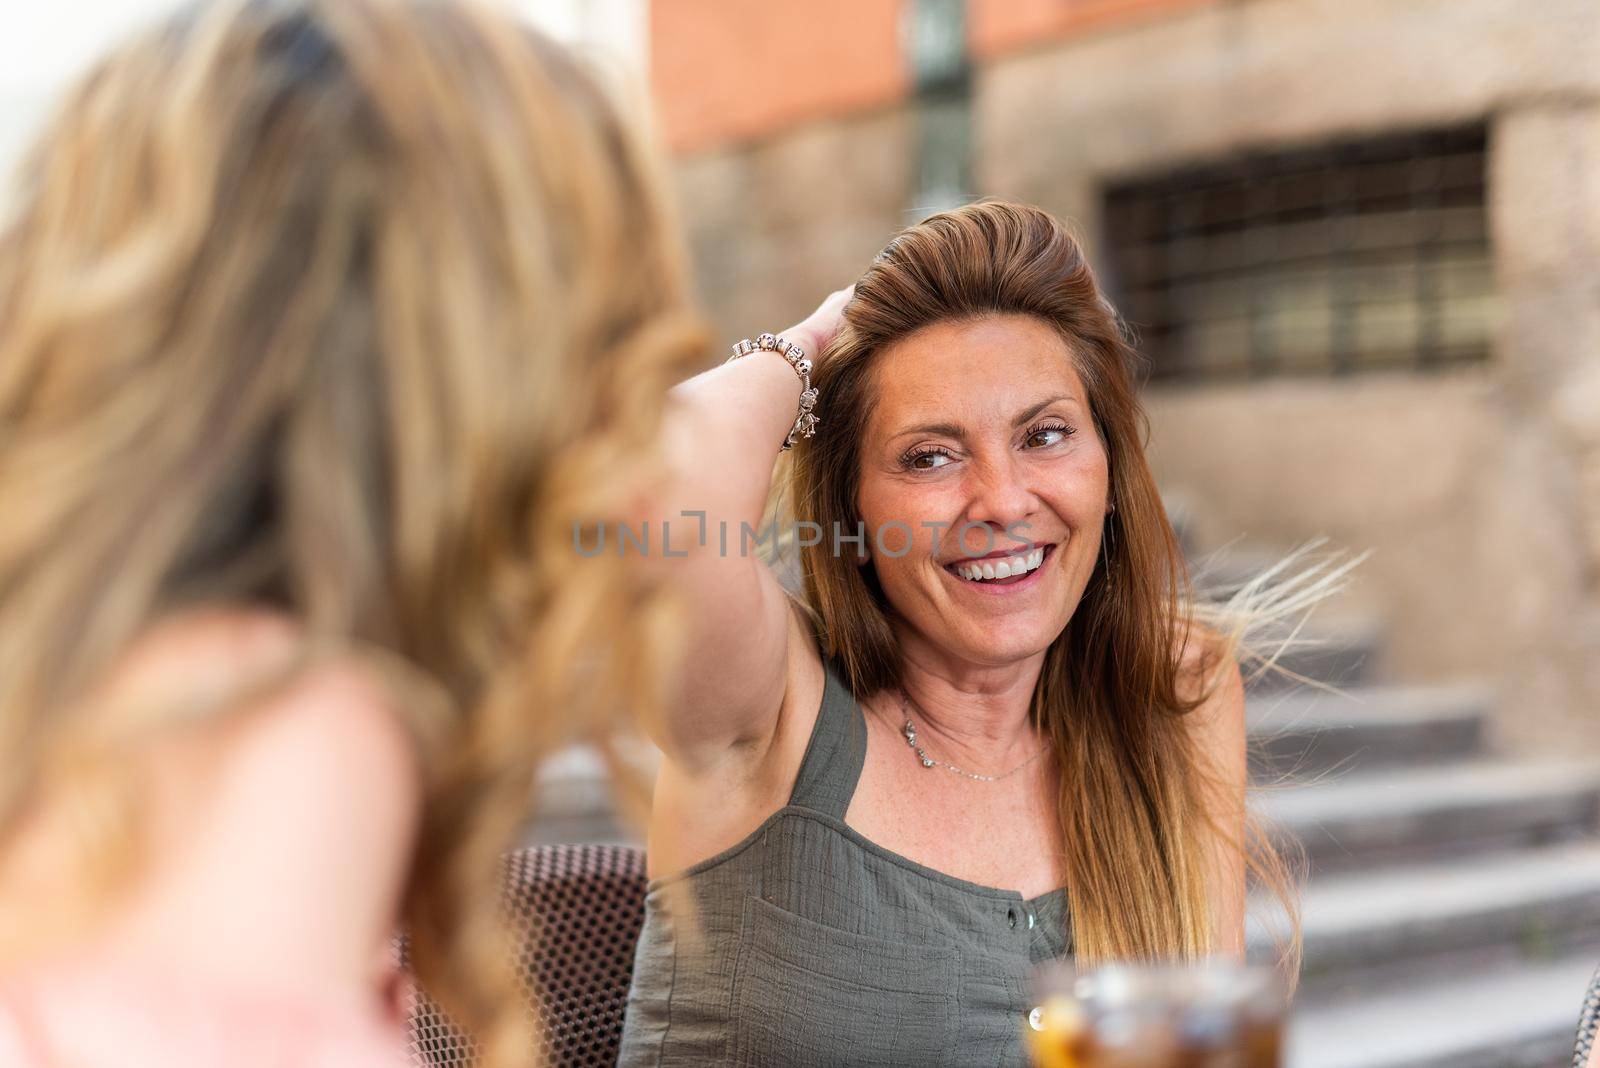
(805, 422)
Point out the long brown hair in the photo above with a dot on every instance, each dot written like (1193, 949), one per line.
(351, 309)
(1137, 799)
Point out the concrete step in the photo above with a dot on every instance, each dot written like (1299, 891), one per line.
(1232, 565)
(1391, 926)
(1340, 640)
(574, 799)
(1415, 814)
(1522, 1016)
(1342, 651)
(1308, 731)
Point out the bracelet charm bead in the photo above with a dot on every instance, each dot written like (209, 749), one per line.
(805, 420)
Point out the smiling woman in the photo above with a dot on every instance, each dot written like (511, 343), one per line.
(988, 324)
(1001, 729)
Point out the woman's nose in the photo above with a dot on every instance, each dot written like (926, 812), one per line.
(1002, 498)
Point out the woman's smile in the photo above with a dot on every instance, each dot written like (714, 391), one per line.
(1012, 585)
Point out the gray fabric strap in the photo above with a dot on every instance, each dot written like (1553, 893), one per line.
(836, 753)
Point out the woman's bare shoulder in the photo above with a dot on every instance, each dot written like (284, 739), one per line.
(335, 715)
(298, 810)
(1203, 660)
(1208, 673)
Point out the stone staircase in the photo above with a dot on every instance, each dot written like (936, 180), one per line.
(1452, 911)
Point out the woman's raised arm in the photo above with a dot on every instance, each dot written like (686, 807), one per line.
(722, 432)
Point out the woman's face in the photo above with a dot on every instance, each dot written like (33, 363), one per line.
(979, 428)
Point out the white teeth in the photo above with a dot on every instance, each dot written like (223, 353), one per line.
(1005, 568)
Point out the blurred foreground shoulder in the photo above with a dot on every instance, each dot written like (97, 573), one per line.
(298, 812)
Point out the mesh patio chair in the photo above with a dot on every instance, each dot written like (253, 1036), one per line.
(1588, 1023)
(574, 964)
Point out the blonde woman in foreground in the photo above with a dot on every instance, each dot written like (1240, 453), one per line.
(321, 324)
(996, 729)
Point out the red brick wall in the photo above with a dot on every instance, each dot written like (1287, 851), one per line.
(995, 27)
(724, 71)
(731, 70)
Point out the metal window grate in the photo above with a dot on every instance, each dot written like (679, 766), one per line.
(1329, 260)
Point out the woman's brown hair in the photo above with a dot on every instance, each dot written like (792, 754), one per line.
(352, 309)
(1136, 802)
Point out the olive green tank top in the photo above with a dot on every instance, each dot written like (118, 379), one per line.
(817, 947)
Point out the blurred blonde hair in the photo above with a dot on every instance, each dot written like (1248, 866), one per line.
(355, 309)
(1138, 799)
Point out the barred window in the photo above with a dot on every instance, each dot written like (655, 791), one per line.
(1329, 260)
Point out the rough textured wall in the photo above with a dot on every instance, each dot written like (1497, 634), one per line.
(778, 225)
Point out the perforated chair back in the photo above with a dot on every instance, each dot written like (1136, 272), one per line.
(577, 911)
(1588, 1023)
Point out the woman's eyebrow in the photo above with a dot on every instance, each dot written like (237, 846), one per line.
(1028, 413)
(955, 430)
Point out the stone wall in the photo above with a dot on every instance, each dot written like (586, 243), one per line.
(778, 225)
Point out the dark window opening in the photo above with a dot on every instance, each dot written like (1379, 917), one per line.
(1330, 260)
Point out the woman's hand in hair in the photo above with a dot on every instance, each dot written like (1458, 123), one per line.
(817, 329)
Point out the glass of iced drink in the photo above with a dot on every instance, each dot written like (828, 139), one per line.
(1217, 1014)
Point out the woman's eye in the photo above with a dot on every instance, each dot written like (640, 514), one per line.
(915, 462)
(1037, 433)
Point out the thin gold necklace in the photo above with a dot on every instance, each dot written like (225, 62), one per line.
(910, 732)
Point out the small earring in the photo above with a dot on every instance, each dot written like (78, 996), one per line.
(1107, 536)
